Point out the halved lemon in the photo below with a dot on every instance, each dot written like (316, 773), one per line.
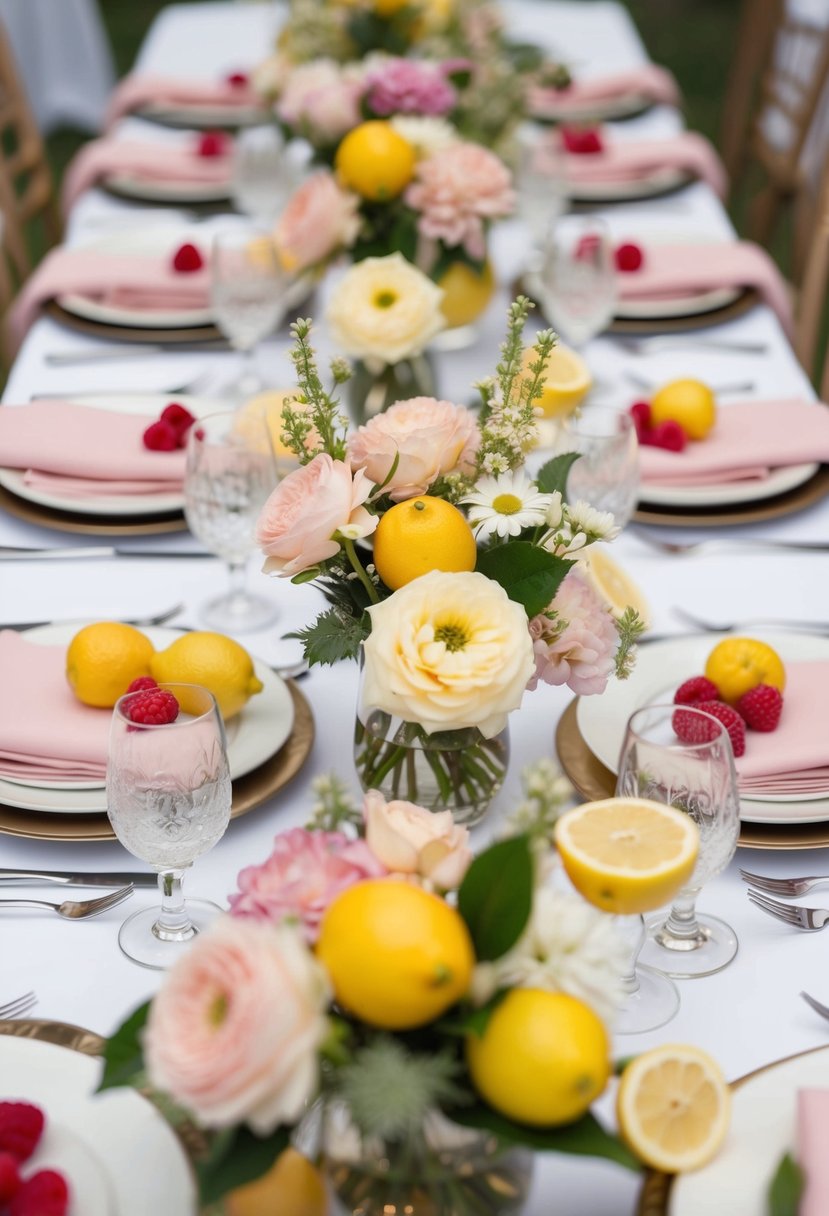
(613, 584)
(627, 855)
(673, 1107)
(567, 382)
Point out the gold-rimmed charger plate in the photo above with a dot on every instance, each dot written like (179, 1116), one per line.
(249, 791)
(90, 525)
(593, 781)
(805, 495)
(129, 333)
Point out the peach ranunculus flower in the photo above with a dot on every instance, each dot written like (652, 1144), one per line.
(429, 438)
(235, 1031)
(321, 100)
(308, 513)
(385, 310)
(408, 839)
(448, 651)
(319, 220)
(457, 191)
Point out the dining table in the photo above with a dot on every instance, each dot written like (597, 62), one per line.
(748, 1014)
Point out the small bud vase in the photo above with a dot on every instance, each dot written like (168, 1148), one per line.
(371, 390)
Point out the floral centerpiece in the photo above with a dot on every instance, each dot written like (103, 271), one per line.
(362, 998)
(469, 585)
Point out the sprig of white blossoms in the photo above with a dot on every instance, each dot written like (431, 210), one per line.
(574, 526)
(546, 793)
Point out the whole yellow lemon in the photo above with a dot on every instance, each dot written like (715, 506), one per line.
(466, 292)
(216, 662)
(736, 665)
(375, 161)
(419, 535)
(291, 1187)
(688, 402)
(103, 659)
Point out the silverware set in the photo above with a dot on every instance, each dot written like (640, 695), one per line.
(74, 909)
(18, 1006)
(761, 889)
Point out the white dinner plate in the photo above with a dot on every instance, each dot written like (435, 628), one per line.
(253, 736)
(763, 1129)
(695, 305)
(609, 109)
(120, 1157)
(114, 504)
(151, 190)
(779, 481)
(662, 181)
(660, 668)
(156, 318)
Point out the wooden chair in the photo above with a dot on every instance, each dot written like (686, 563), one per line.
(812, 300)
(755, 31)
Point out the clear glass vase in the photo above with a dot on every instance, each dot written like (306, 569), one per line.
(373, 389)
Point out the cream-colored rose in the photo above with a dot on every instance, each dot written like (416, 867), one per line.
(408, 839)
(448, 651)
(384, 309)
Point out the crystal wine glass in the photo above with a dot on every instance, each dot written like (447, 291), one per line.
(264, 173)
(230, 471)
(697, 778)
(607, 472)
(542, 189)
(168, 800)
(577, 279)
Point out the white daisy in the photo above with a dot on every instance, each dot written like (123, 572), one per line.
(506, 505)
(597, 525)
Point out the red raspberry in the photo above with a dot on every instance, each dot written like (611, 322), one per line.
(640, 412)
(761, 707)
(142, 684)
(238, 80)
(178, 417)
(155, 707)
(669, 435)
(213, 143)
(698, 688)
(187, 259)
(160, 437)
(21, 1126)
(691, 728)
(44, 1194)
(629, 257)
(582, 140)
(9, 1177)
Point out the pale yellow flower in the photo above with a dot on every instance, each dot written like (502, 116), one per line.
(385, 310)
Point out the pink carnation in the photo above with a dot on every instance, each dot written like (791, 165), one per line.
(457, 191)
(320, 101)
(303, 874)
(318, 221)
(581, 653)
(405, 86)
(429, 438)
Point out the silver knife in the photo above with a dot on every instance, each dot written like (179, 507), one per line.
(117, 354)
(63, 878)
(10, 553)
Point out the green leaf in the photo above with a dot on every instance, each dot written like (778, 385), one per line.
(552, 476)
(586, 1136)
(529, 575)
(471, 1021)
(786, 1188)
(495, 896)
(123, 1054)
(238, 1156)
(333, 636)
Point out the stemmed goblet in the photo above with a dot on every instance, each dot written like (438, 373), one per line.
(168, 800)
(577, 279)
(607, 472)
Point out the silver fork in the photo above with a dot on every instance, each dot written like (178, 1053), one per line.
(74, 909)
(784, 886)
(791, 914)
(708, 626)
(140, 622)
(652, 346)
(816, 1005)
(642, 382)
(676, 549)
(19, 1006)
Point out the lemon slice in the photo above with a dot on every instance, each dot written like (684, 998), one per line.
(627, 855)
(265, 407)
(673, 1107)
(613, 584)
(567, 382)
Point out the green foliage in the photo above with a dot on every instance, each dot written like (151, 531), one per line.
(630, 628)
(552, 476)
(530, 576)
(123, 1054)
(495, 897)
(322, 412)
(333, 636)
(238, 1156)
(387, 228)
(586, 1137)
(786, 1188)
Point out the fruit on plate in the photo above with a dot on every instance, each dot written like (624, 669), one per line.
(21, 1126)
(419, 535)
(542, 1058)
(375, 161)
(291, 1187)
(466, 292)
(698, 688)
(668, 434)
(737, 665)
(688, 402)
(673, 1107)
(761, 707)
(690, 728)
(567, 382)
(42, 1194)
(216, 662)
(627, 855)
(152, 707)
(613, 584)
(103, 659)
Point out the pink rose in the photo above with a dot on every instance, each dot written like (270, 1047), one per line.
(318, 221)
(234, 1033)
(578, 646)
(321, 101)
(430, 438)
(457, 191)
(302, 876)
(308, 510)
(411, 840)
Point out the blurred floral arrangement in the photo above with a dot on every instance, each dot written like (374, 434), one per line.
(368, 983)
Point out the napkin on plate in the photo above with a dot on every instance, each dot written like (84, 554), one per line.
(794, 759)
(812, 1121)
(178, 164)
(138, 90)
(45, 732)
(649, 81)
(143, 282)
(632, 160)
(749, 439)
(81, 452)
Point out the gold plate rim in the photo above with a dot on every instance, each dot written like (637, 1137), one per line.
(797, 499)
(90, 525)
(129, 333)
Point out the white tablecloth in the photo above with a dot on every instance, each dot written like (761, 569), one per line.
(747, 1015)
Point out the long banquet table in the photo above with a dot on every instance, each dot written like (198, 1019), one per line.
(749, 1014)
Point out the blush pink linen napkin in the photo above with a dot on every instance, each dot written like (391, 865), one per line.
(748, 439)
(85, 452)
(812, 1122)
(45, 732)
(649, 81)
(794, 759)
(631, 160)
(174, 163)
(137, 90)
(675, 270)
(130, 280)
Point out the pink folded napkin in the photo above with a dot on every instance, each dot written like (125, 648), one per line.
(748, 440)
(45, 732)
(668, 271)
(135, 281)
(794, 759)
(649, 81)
(152, 162)
(632, 160)
(84, 452)
(137, 90)
(812, 1122)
